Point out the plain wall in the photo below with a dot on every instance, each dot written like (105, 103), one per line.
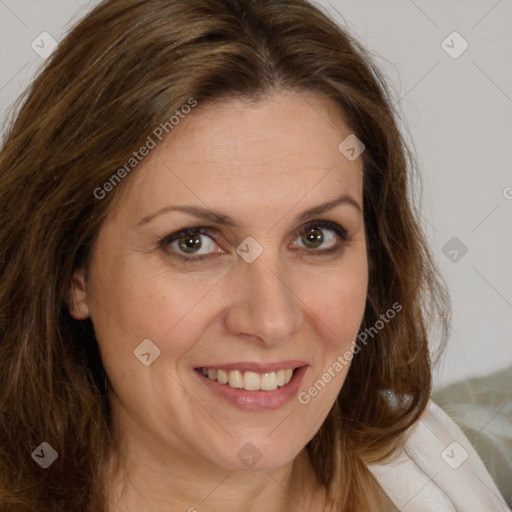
(458, 112)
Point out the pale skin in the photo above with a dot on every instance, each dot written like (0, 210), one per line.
(262, 164)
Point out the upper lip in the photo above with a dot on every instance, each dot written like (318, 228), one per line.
(255, 367)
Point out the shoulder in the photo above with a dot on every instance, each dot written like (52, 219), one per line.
(438, 469)
(482, 407)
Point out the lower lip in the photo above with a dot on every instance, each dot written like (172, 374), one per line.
(257, 400)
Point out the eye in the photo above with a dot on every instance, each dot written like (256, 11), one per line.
(322, 237)
(196, 242)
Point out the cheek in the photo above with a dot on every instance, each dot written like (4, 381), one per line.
(339, 323)
(339, 300)
(134, 289)
(132, 302)
(338, 304)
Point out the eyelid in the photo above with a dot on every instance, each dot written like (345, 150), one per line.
(327, 224)
(199, 230)
(203, 230)
(340, 231)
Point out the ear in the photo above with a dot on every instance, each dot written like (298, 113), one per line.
(78, 298)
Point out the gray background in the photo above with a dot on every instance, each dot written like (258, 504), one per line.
(458, 112)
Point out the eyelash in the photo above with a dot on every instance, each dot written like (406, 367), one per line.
(340, 243)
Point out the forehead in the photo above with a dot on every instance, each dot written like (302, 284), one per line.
(283, 147)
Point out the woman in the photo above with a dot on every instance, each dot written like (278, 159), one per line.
(215, 292)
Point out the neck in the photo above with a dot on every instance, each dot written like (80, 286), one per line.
(143, 484)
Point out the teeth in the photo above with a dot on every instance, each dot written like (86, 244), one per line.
(236, 379)
(222, 377)
(269, 381)
(250, 381)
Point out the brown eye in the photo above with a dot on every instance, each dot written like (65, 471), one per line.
(322, 238)
(313, 237)
(190, 243)
(196, 242)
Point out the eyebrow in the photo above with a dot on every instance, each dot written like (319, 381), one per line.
(219, 218)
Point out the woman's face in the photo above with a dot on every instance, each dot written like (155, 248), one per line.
(275, 281)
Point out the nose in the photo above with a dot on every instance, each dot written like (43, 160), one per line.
(263, 304)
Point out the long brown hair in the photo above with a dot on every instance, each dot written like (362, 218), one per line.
(118, 74)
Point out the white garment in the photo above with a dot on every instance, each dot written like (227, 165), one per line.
(438, 470)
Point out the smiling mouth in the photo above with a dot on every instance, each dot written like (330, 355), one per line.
(249, 381)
